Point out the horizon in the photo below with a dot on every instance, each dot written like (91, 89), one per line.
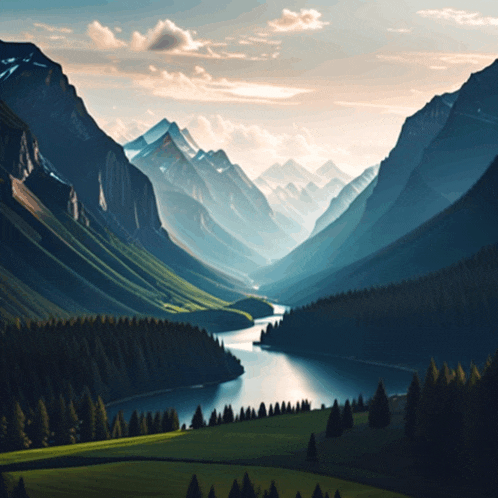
(263, 81)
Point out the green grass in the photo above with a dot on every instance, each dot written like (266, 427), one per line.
(171, 479)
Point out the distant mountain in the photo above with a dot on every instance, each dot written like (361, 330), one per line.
(330, 171)
(346, 196)
(289, 172)
(457, 232)
(114, 192)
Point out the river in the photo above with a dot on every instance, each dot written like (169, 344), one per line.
(272, 376)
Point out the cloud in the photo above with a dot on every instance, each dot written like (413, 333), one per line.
(255, 147)
(203, 87)
(103, 37)
(306, 19)
(52, 29)
(166, 36)
(462, 17)
(123, 131)
(400, 30)
(438, 60)
(387, 108)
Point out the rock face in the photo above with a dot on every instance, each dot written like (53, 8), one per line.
(75, 149)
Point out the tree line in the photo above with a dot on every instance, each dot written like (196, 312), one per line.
(109, 357)
(62, 423)
(452, 420)
(431, 314)
(247, 490)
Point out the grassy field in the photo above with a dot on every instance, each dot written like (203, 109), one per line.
(271, 448)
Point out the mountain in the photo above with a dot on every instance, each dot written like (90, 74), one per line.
(312, 255)
(289, 172)
(114, 192)
(457, 232)
(230, 199)
(346, 196)
(330, 171)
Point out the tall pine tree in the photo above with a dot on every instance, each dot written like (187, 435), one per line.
(378, 412)
(334, 422)
(412, 406)
(40, 426)
(194, 490)
(311, 453)
(347, 416)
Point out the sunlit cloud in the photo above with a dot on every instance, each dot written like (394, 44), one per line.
(462, 17)
(52, 29)
(386, 108)
(123, 130)
(255, 147)
(117, 29)
(400, 30)
(438, 60)
(103, 37)
(166, 36)
(290, 21)
(203, 87)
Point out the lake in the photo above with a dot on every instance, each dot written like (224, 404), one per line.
(272, 376)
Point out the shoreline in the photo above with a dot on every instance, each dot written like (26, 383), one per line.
(350, 358)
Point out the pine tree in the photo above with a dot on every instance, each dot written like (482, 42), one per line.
(378, 412)
(142, 421)
(262, 410)
(235, 490)
(337, 494)
(412, 406)
(247, 487)
(197, 419)
(156, 424)
(20, 490)
(87, 416)
(213, 419)
(311, 454)
(40, 426)
(3, 487)
(72, 423)
(16, 436)
(334, 422)
(134, 425)
(123, 424)
(270, 411)
(361, 405)
(242, 414)
(273, 491)
(116, 431)
(298, 495)
(101, 422)
(194, 490)
(211, 493)
(347, 416)
(428, 403)
(317, 493)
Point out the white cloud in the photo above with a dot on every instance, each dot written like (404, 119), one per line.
(166, 36)
(203, 87)
(462, 17)
(306, 19)
(117, 29)
(103, 37)
(433, 59)
(255, 147)
(52, 29)
(123, 131)
(400, 30)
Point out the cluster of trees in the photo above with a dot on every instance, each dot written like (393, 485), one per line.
(67, 423)
(247, 490)
(438, 313)
(453, 420)
(19, 490)
(111, 358)
(247, 414)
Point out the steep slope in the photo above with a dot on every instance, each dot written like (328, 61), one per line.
(457, 232)
(346, 196)
(312, 255)
(116, 193)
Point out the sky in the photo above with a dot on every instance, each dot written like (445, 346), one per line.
(264, 80)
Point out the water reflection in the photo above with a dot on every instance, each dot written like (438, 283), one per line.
(272, 376)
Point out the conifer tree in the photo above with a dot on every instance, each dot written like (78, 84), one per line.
(116, 431)
(354, 406)
(247, 487)
(197, 419)
(347, 416)
(276, 410)
(270, 411)
(317, 493)
(213, 419)
(378, 412)
(150, 423)
(72, 423)
(144, 430)
(262, 410)
(156, 424)
(334, 422)
(3, 487)
(134, 425)
(273, 491)
(40, 427)
(194, 490)
(361, 405)
(16, 435)
(253, 414)
(412, 406)
(312, 454)
(211, 493)
(242, 414)
(235, 490)
(298, 495)
(175, 421)
(283, 408)
(337, 494)
(87, 417)
(248, 413)
(20, 490)
(123, 424)
(101, 421)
